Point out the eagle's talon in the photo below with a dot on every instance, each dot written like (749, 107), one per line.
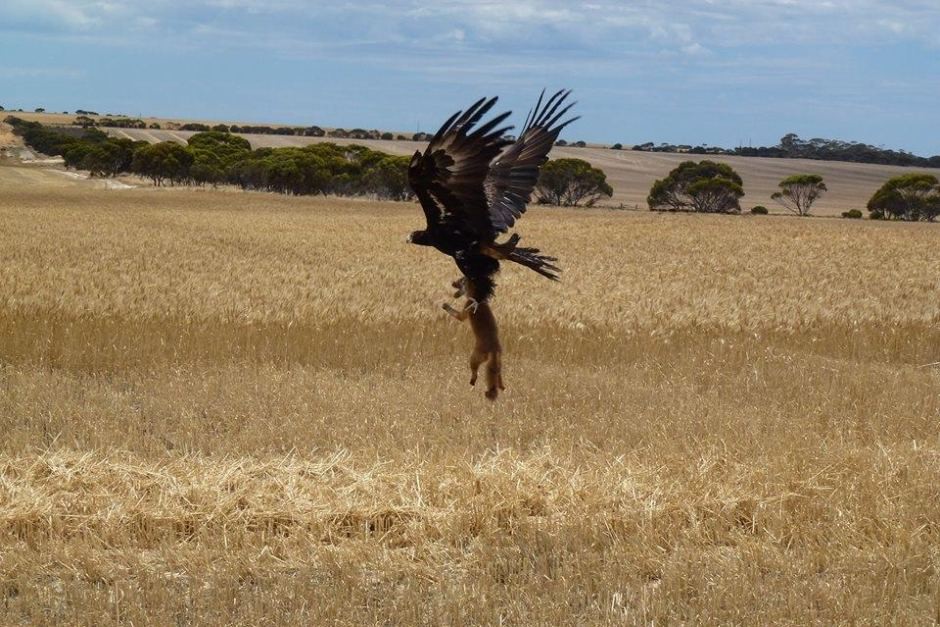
(461, 287)
(472, 304)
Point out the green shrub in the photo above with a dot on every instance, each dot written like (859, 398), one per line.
(799, 191)
(759, 210)
(571, 182)
(852, 214)
(166, 161)
(914, 196)
(704, 187)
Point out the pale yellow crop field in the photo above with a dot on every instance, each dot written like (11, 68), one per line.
(234, 408)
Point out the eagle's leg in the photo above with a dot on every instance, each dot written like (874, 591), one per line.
(461, 287)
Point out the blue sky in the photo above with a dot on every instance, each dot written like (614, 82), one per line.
(720, 72)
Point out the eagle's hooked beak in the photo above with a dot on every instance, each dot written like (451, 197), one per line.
(408, 240)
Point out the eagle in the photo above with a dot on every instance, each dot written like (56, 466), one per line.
(473, 183)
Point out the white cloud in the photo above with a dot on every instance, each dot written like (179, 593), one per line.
(696, 49)
(256, 6)
(680, 26)
(57, 13)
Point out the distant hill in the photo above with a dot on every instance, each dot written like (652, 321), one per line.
(630, 172)
(792, 147)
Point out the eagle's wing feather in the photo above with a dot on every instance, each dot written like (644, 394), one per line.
(515, 173)
(448, 177)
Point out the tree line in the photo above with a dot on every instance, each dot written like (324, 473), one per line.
(792, 147)
(216, 157)
(85, 121)
(712, 187)
(84, 149)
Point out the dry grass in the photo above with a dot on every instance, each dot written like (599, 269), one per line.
(7, 138)
(242, 408)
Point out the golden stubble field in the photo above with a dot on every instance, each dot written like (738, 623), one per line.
(241, 408)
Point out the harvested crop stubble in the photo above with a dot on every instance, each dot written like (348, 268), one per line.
(244, 408)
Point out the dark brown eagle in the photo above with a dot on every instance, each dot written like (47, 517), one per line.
(473, 182)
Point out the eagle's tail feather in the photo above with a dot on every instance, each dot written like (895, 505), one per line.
(528, 257)
(531, 258)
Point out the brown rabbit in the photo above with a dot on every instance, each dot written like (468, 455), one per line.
(483, 324)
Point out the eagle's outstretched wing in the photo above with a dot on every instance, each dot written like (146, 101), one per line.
(514, 174)
(448, 177)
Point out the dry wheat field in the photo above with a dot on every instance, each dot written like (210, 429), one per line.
(240, 408)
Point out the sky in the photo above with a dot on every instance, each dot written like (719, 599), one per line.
(716, 72)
